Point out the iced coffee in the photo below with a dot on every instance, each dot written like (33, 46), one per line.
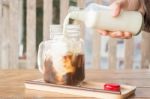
(72, 72)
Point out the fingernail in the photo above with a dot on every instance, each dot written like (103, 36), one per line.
(104, 34)
(114, 14)
(118, 34)
(116, 9)
(127, 34)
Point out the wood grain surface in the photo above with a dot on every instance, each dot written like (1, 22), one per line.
(12, 83)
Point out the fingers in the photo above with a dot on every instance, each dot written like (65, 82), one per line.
(122, 35)
(127, 35)
(102, 32)
(117, 6)
(117, 9)
(118, 34)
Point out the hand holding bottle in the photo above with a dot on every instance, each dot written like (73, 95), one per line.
(118, 5)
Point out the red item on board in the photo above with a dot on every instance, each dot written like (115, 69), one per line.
(112, 87)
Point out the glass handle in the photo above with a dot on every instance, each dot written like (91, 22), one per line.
(39, 59)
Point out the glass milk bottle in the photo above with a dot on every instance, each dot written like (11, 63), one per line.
(61, 59)
(100, 17)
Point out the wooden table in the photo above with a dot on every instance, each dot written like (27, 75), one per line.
(12, 83)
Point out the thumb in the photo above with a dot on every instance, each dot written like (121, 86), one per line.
(116, 6)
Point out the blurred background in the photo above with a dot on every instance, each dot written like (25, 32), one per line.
(22, 28)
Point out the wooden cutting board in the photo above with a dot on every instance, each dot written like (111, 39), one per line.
(86, 89)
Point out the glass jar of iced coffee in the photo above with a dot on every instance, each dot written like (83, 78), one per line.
(61, 59)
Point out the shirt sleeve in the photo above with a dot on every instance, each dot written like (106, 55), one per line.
(147, 15)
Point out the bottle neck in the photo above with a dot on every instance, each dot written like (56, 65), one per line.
(78, 15)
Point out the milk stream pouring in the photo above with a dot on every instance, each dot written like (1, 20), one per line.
(100, 17)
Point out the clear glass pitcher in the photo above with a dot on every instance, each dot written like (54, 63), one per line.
(61, 59)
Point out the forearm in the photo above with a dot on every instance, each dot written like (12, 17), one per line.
(147, 15)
